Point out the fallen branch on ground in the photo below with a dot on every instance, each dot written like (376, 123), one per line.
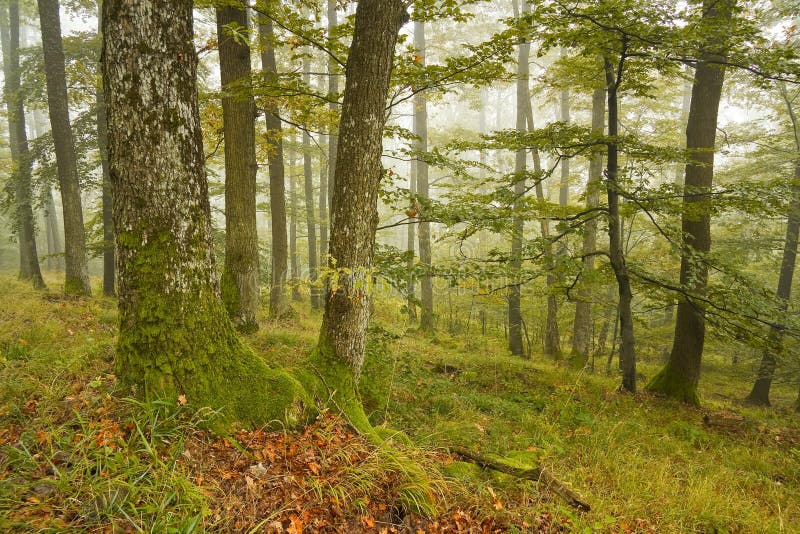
(537, 474)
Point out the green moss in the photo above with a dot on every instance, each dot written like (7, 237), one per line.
(462, 470)
(74, 286)
(674, 385)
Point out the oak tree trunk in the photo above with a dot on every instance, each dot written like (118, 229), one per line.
(76, 262)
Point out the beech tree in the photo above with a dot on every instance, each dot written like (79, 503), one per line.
(18, 139)
(175, 335)
(76, 262)
(680, 376)
(239, 281)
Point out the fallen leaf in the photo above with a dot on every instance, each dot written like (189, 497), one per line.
(181, 399)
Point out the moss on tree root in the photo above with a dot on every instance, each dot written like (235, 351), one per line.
(675, 386)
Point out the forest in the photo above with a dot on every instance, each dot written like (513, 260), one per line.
(424, 266)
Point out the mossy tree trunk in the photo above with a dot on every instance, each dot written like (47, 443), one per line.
(278, 299)
(426, 317)
(311, 219)
(358, 175)
(240, 290)
(627, 349)
(76, 261)
(29, 268)
(175, 336)
(680, 376)
(582, 324)
(515, 344)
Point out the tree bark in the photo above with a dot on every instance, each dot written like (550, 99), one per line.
(515, 344)
(627, 351)
(582, 325)
(29, 268)
(278, 298)
(411, 285)
(109, 261)
(759, 395)
(680, 376)
(426, 316)
(76, 262)
(311, 223)
(239, 282)
(294, 266)
(333, 95)
(175, 336)
(358, 175)
(323, 204)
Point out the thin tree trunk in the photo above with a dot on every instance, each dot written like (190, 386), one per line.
(109, 268)
(76, 262)
(311, 223)
(278, 299)
(759, 395)
(411, 285)
(333, 95)
(294, 267)
(627, 351)
(358, 176)
(18, 139)
(426, 318)
(323, 204)
(680, 376)
(239, 282)
(515, 343)
(582, 325)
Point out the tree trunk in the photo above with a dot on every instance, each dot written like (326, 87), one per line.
(358, 176)
(109, 269)
(759, 395)
(76, 262)
(278, 299)
(426, 318)
(627, 351)
(515, 344)
(239, 282)
(582, 325)
(294, 267)
(175, 336)
(323, 205)
(680, 376)
(311, 223)
(411, 285)
(333, 94)
(18, 140)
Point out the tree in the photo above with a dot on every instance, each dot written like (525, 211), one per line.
(239, 281)
(278, 299)
(426, 318)
(109, 259)
(333, 95)
(76, 262)
(680, 376)
(18, 139)
(308, 185)
(515, 344)
(582, 331)
(175, 337)
(358, 177)
(759, 395)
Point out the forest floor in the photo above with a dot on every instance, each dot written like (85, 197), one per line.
(78, 452)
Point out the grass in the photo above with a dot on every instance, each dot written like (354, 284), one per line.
(74, 443)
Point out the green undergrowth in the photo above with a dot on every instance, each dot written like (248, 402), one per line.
(73, 443)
